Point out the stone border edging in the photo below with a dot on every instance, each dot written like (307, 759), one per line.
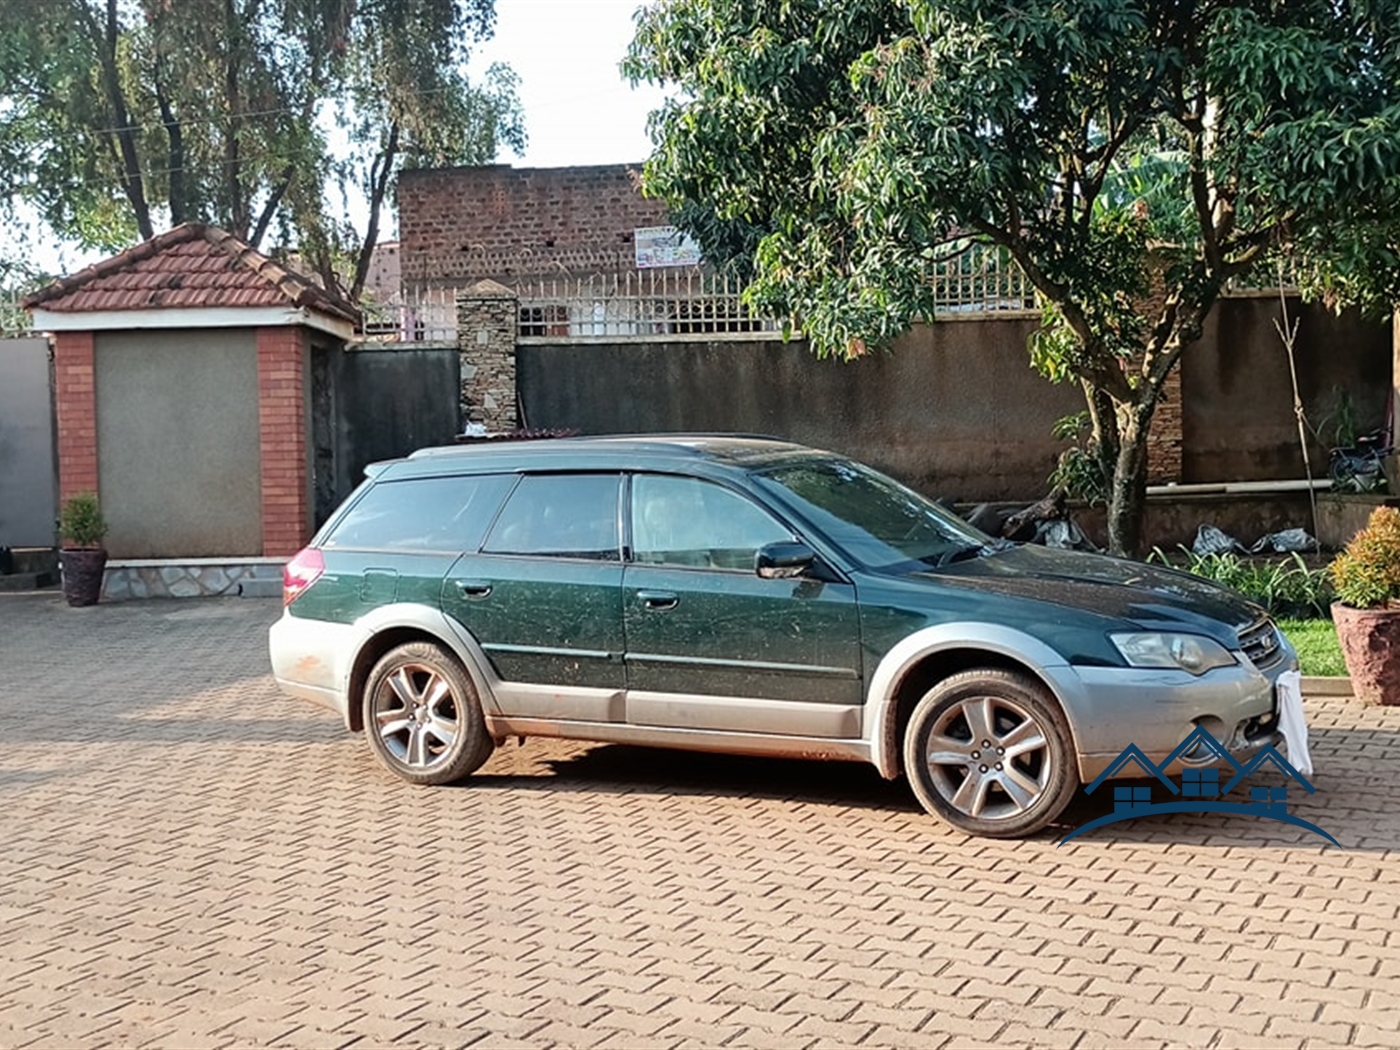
(1318, 685)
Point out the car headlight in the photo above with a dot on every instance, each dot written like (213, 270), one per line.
(1184, 652)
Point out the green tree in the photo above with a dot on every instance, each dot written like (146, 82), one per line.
(120, 116)
(1122, 153)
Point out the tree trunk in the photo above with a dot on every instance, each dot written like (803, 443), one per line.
(175, 139)
(274, 201)
(1103, 431)
(380, 174)
(239, 221)
(132, 178)
(1128, 489)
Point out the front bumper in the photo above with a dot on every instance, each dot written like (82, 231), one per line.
(1112, 707)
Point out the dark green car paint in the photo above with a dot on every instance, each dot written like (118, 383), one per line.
(542, 620)
(358, 582)
(894, 607)
(736, 634)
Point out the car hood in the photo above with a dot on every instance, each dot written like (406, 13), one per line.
(1148, 596)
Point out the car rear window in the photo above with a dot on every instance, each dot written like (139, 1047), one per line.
(560, 516)
(423, 514)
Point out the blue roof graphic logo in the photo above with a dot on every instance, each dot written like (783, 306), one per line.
(1200, 790)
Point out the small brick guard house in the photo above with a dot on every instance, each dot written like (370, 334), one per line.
(181, 385)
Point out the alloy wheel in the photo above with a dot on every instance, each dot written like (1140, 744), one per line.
(989, 758)
(416, 715)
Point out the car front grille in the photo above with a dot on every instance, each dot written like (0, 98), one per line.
(1260, 643)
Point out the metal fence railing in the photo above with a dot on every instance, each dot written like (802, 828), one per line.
(975, 279)
(972, 280)
(1265, 279)
(637, 303)
(411, 316)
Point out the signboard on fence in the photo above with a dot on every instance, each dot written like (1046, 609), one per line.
(659, 246)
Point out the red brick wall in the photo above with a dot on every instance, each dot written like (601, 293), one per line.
(1165, 434)
(458, 225)
(282, 425)
(1165, 438)
(75, 397)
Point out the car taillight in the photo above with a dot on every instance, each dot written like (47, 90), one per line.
(300, 573)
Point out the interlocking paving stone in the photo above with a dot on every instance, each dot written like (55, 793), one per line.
(191, 859)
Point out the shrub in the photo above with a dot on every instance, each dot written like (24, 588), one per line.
(81, 523)
(1078, 472)
(1286, 588)
(1367, 574)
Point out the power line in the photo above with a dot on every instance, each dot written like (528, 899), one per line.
(113, 182)
(194, 122)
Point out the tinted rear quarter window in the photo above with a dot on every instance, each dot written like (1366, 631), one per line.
(423, 514)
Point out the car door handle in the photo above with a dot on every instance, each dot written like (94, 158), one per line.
(474, 589)
(659, 599)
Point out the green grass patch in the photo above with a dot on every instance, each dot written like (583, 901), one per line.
(1316, 642)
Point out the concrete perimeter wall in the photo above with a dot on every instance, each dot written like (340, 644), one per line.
(1237, 397)
(955, 410)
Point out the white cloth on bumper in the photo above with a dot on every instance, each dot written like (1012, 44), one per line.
(1291, 722)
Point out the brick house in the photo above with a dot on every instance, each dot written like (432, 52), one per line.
(540, 232)
(182, 386)
(461, 225)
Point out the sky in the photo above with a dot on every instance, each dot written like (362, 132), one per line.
(578, 108)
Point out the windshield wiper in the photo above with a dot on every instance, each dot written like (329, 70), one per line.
(971, 550)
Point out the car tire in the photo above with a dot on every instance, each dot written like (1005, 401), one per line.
(989, 752)
(423, 717)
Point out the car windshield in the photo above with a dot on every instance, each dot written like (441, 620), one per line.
(876, 520)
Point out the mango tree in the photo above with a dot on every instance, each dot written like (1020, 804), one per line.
(1132, 158)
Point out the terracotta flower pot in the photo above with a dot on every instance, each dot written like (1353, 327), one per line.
(1370, 640)
(83, 568)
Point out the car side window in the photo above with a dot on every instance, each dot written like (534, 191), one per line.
(422, 514)
(560, 516)
(694, 523)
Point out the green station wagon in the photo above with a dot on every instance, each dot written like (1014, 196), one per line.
(752, 596)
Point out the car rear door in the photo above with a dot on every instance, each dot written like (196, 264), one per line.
(710, 644)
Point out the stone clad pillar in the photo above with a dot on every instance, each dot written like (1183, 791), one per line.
(487, 319)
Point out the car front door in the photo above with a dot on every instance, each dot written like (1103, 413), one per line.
(543, 598)
(710, 644)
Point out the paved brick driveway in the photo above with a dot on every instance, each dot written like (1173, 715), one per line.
(186, 859)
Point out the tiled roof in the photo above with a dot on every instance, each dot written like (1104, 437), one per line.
(191, 266)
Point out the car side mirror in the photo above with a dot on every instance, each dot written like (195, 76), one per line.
(784, 561)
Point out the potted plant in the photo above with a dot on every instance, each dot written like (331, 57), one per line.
(1366, 577)
(84, 558)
